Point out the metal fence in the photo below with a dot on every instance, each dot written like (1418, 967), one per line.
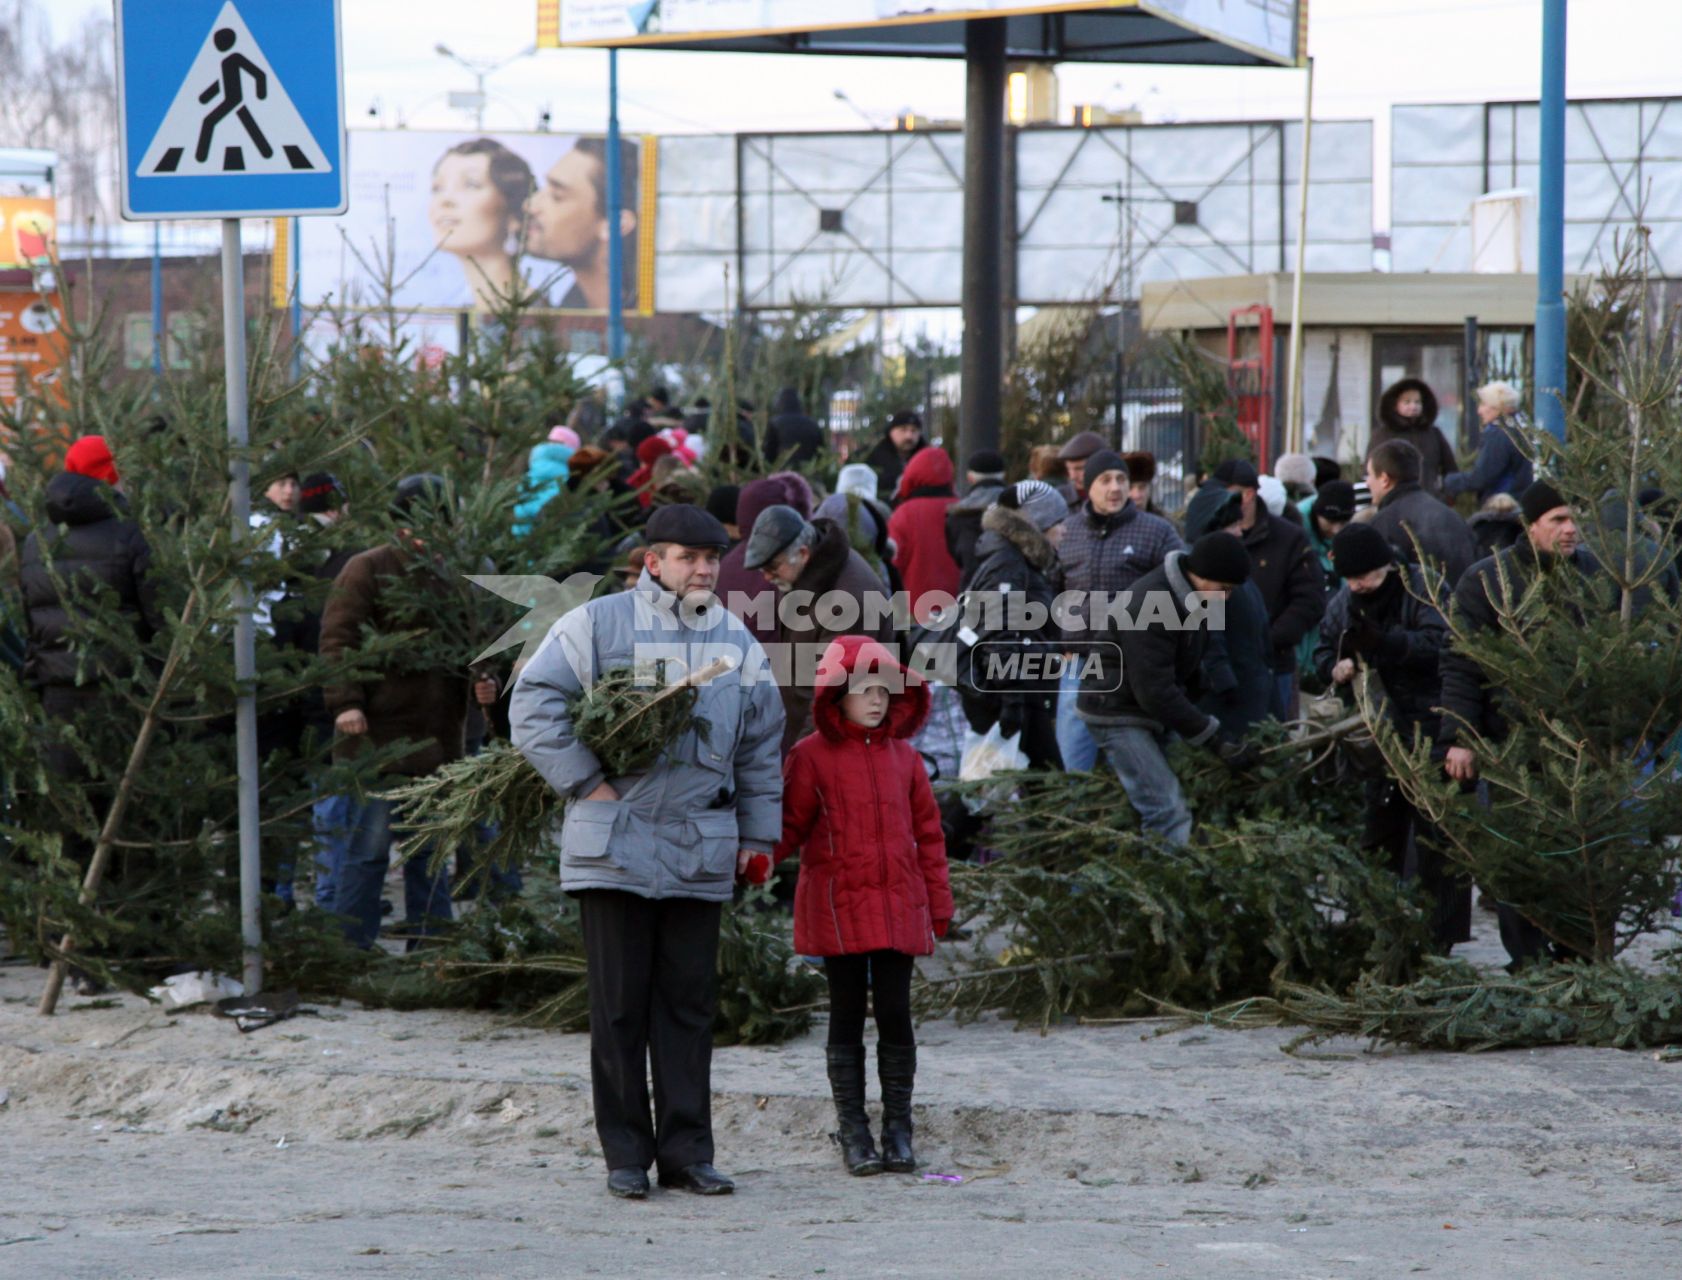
(1146, 413)
(1152, 418)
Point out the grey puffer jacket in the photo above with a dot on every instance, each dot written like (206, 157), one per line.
(674, 831)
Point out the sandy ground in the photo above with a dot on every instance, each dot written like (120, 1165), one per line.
(370, 1143)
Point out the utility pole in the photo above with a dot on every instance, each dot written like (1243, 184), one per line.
(480, 71)
(1550, 229)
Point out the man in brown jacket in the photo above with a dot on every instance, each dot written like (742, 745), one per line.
(826, 589)
(382, 590)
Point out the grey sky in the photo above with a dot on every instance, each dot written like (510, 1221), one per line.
(1368, 53)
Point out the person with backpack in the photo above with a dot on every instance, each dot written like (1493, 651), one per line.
(1016, 582)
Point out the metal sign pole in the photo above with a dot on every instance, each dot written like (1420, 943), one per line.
(245, 627)
(615, 204)
(1293, 396)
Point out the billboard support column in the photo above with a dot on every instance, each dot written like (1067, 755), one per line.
(983, 283)
(615, 201)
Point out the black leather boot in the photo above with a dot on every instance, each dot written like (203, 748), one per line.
(846, 1083)
(897, 1066)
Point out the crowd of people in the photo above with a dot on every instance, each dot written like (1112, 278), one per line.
(1153, 626)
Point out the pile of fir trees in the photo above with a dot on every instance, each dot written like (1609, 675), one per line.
(154, 775)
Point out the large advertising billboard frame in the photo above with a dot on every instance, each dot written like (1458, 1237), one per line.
(1203, 32)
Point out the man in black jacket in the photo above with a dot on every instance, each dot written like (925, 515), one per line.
(1011, 595)
(887, 459)
(1381, 620)
(984, 481)
(1421, 527)
(88, 546)
(1283, 565)
(794, 429)
(1162, 643)
(1469, 705)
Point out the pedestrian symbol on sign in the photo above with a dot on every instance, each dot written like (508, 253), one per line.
(233, 97)
(231, 114)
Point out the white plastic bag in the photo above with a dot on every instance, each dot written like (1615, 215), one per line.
(985, 755)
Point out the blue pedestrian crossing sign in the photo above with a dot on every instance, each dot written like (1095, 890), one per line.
(230, 108)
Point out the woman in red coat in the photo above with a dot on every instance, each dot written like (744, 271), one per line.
(918, 526)
(873, 891)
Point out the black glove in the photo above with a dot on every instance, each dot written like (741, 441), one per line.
(1010, 715)
(1238, 754)
(1392, 646)
(1363, 636)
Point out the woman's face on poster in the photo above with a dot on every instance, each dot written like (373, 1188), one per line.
(468, 213)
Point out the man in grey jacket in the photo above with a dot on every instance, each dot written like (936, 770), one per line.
(653, 857)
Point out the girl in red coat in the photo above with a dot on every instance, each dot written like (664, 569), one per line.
(873, 891)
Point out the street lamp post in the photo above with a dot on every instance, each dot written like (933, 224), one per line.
(481, 71)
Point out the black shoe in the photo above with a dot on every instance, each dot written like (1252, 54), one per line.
(702, 1179)
(629, 1183)
(896, 1066)
(852, 1135)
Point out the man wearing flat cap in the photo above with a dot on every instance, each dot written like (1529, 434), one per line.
(825, 590)
(1073, 456)
(652, 857)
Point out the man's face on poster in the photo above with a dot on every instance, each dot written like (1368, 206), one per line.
(563, 222)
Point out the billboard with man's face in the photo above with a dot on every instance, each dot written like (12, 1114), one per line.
(459, 221)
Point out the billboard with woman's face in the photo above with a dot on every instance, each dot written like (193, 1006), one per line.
(461, 221)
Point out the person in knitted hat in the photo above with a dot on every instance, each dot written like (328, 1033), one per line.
(900, 442)
(1237, 674)
(548, 464)
(1016, 580)
(1136, 710)
(1324, 513)
(1471, 709)
(86, 556)
(984, 481)
(1285, 570)
(1382, 621)
(91, 456)
(1296, 472)
(1108, 544)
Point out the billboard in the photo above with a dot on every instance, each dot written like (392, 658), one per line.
(444, 221)
(31, 347)
(1267, 28)
(27, 232)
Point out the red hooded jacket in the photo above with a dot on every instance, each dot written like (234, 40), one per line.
(858, 806)
(918, 525)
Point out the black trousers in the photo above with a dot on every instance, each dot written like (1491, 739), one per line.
(885, 976)
(1396, 828)
(653, 980)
